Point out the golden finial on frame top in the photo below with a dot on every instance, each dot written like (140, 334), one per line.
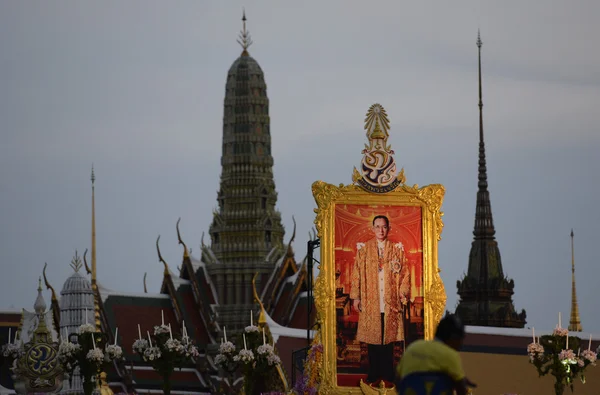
(377, 132)
(377, 115)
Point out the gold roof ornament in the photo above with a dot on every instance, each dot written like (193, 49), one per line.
(378, 172)
(262, 323)
(87, 268)
(262, 317)
(185, 249)
(160, 258)
(48, 286)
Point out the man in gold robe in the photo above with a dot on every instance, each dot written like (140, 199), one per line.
(380, 290)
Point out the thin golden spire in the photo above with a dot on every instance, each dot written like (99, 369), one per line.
(575, 321)
(93, 178)
(244, 38)
(94, 278)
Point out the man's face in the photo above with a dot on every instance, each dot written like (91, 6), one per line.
(380, 229)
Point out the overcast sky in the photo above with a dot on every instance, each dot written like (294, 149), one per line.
(137, 89)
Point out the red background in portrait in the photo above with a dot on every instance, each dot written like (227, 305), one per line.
(353, 225)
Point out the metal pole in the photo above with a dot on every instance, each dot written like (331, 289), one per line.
(309, 257)
(311, 246)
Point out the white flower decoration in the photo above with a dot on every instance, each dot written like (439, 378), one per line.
(95, 355)
(226, 348)
(87, 328)
(252, 328)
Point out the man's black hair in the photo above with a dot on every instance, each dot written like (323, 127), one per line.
(450, 327)
(387, 221)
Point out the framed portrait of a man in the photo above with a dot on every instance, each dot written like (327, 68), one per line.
(379, 302)
(379, 265)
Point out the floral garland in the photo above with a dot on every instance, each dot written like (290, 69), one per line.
(86, 355)
(551, 354)
(165, 351)
(309, 383)
(256, 359)
(10, 353)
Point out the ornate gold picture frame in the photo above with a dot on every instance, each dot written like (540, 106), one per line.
(344, 220)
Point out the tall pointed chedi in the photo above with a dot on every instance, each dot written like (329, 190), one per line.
(485, 293)
(246, 232)
(575, 321)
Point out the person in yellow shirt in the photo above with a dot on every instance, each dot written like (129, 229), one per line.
(439, 355)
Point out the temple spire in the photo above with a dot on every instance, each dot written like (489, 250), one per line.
(575, 321)
(39, 305)
(93, 179)
(94, 278)
(485, 292)
(244, 39)
(484, 223)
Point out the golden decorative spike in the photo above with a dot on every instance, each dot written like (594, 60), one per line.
(244, 39)
(185, 249)
(94, 277)
(262, 323)
(93, 271)
(48, 286)
(575, 321)
(93, 229)
(262, 318)
(160, 258)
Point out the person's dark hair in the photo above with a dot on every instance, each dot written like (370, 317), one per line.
(387, 221)
(450, 328)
